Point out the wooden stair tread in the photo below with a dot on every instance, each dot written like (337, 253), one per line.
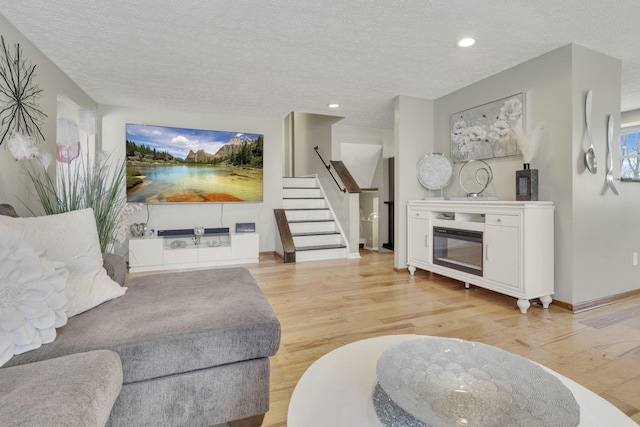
(319, 247)
(300, 221)
(303, 198)
(315, 233)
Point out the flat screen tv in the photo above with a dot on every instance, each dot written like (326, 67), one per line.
(171, 165)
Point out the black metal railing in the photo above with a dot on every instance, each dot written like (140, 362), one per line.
(344, 190)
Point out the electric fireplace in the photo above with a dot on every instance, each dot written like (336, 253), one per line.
(458, 249)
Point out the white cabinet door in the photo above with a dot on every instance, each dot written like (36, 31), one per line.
(211, 254)
(419, 237)
(145, 252)
(245, 245)
(502, 254)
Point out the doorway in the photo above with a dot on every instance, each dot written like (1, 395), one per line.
(369, 219)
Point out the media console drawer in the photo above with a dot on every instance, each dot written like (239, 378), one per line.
(420, 214)
(503, 220)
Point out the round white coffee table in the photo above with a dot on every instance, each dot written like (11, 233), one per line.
(337, 390)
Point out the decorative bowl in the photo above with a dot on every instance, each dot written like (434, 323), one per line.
(451, 382)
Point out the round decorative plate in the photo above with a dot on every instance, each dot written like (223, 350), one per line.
(435, 171)
(451, 382)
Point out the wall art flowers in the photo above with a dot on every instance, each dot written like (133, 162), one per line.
(487, 131)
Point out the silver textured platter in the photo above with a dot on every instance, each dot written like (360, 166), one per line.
(451, 382)
(435, 171)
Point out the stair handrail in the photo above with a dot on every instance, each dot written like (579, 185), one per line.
(344, 190)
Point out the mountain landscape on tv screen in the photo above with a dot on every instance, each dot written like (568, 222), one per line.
(186, 165)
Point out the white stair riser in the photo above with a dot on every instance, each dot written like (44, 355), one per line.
(299, 182)
(317, 255)
(317, 240)
(303, 203)
(301, 192)
(312, 227)
(303, 200)
(308, 215)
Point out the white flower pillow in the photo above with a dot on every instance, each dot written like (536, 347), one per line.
(32, 299)
(71, 238)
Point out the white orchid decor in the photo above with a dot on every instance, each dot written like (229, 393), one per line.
(22, 147)
(80, 182)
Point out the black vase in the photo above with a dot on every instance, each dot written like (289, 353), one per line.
(527, 184)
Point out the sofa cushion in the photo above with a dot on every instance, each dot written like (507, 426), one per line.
(206, 397)
(76, 390)
(71, 238)
(172, 323)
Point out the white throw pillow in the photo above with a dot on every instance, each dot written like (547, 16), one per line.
(71, 238)
(32, 299)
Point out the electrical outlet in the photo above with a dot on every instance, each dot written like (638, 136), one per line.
(635, 258)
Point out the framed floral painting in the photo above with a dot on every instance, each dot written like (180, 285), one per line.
(487, 131)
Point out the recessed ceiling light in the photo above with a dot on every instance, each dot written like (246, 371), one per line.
(333, 105)
(466, 42)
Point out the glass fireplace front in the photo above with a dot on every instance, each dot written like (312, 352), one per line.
(458, 249)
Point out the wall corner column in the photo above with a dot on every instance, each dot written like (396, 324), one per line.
(413, 138)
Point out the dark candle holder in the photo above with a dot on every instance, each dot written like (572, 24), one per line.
(527, 184)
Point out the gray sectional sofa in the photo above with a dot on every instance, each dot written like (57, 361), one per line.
(178, 349)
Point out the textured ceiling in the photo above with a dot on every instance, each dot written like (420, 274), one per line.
(268, 58)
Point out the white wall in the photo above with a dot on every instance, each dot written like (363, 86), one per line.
(605, 226)
(367, 175)
(311, 130)
(630, 118)
(188, 215)
(413, 138)
(351, 141)
(287, 147)
(15, 188)
(594, 232)
(546, 82)
(362, 161)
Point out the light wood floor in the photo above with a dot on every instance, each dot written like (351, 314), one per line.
(326, 304)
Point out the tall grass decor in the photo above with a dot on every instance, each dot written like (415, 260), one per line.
(80, 182)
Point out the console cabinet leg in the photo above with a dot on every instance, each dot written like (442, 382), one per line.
(466, 285)
(546, 301)
(524, 305)
(412, 270)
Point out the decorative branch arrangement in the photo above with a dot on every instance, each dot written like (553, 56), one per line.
(19, 109)
(528, 143)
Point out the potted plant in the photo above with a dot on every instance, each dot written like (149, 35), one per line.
(80, 181)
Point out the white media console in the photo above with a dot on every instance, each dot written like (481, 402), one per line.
(186, 251)
(506, 247)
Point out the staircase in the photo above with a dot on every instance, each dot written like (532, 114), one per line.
(316, 235)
